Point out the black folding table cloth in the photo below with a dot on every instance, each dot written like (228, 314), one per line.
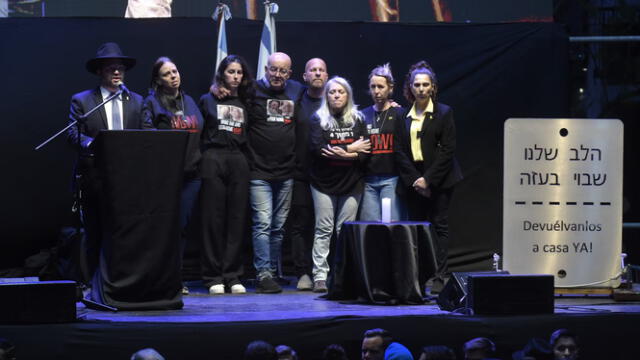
(385, 263)
(141, 174)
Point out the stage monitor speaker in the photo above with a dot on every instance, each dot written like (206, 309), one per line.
(454, 294)
(37, 301)
(510, 294)
(498, 293)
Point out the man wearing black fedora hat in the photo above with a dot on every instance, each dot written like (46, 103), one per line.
(123, 112)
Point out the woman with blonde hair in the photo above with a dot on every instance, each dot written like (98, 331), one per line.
(337, 151)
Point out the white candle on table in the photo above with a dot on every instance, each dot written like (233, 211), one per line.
(386, 210)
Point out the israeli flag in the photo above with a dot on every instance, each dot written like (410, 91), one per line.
(268, 38)
(223, 13)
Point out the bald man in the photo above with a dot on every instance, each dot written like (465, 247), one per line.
(302, 220)
(272, 161)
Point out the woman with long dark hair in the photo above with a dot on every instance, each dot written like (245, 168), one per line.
(225, 176)
(168, 107)
(428, 138)
(337, 148)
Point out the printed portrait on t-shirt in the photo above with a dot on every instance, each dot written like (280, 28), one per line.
(286, 108)
(273, 107)
(279, 110)
(230, 118)
(224, 112)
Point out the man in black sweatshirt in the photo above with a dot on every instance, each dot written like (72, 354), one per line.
(272, 161)
(302, 219)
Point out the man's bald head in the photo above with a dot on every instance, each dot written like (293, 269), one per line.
(278, 70)
(280, 58)
(315, 62)
(315, 75)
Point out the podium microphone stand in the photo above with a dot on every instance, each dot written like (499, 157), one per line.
(78, 201)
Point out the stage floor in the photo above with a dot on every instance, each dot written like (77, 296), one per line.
(199, 306)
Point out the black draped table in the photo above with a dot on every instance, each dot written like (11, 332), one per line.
(383, 263)
(141, 174)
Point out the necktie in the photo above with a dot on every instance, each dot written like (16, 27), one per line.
(116, 117)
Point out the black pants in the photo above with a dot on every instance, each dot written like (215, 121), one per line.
(435, 210)
(302, 223)
(92, 210)
(224, 196)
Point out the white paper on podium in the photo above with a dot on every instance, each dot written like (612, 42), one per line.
(562, 203)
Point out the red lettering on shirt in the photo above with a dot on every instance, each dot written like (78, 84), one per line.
(381, 143)
(187, 122)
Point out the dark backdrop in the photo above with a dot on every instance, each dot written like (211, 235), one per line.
(487, 73)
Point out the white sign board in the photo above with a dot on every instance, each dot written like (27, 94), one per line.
(562, 206)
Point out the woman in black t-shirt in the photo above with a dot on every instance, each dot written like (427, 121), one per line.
(337, 150)
(225, 176)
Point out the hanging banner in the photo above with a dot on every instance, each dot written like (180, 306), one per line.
(562, 205)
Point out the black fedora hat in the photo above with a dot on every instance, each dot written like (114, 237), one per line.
(106, 51)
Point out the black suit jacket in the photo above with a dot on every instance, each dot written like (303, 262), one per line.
(438, 142)
(87, 100)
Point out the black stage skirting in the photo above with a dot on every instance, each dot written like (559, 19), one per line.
(610, 336)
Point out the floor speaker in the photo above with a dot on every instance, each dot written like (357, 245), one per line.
(454, 294)
(498, 293)
(37, 302)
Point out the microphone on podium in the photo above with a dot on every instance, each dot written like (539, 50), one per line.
(123, 88)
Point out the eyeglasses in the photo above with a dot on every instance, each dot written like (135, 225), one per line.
(274, 70)
(112, 68)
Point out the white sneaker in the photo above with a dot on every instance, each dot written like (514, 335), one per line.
(217, 289)
(305, 283)
(238, 289)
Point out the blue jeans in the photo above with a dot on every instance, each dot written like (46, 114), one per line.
(376, 188)
(270, 203)
(331, 212)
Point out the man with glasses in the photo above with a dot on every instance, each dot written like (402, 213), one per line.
(123, 112)
(272, 160)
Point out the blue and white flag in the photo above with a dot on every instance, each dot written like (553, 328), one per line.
(223, 13)
(268, 38)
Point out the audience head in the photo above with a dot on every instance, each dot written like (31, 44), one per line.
(260, 350)
(478, 348)
(564, 345)
(437, 352)
(397, 351)
(278, 70)
(234, 74)
(285, 352)
(420, 83)
(315, 74)
(7, 350)
(375, 343)
(165, 76)
(536, 349)
(147, 354)
(334, 352)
